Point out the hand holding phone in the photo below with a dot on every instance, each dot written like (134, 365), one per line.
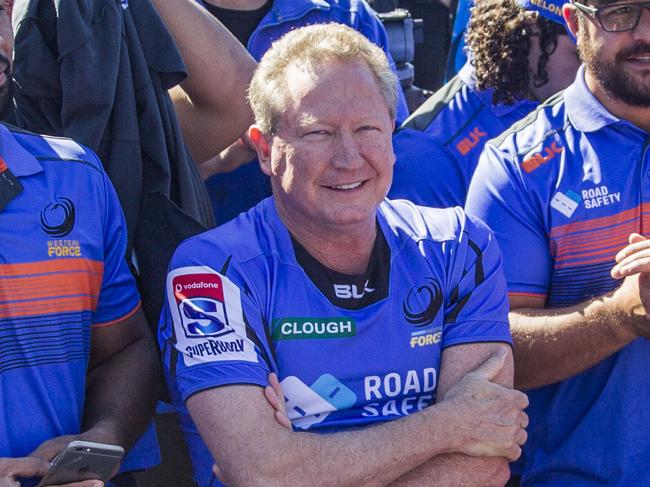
(83, 460)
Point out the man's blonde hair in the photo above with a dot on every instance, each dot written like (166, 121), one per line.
(310, 47)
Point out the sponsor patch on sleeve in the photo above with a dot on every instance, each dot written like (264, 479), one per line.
(206, 309)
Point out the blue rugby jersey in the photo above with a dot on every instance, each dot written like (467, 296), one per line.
(62, 271)
(562, 190)
(239, 306)
(434, 168)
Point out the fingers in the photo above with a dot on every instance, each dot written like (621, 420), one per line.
(635, 237)
(633, 264)
(275, 397)
(491, 367)
(48, 449)
(520, 399)
(23, 467)
(513, 453)
(282, 419)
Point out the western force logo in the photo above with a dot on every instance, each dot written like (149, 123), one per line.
(541, 158)
(200, 302)
(58, 217)
(423, 303)
(310, 405)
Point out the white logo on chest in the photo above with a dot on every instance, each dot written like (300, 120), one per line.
(599, 196)
(351, 291)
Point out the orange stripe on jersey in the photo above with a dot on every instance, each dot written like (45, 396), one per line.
(58, 305)
(530, 295)
(45, 287)
(47, 266)
(606, 238)
(597, 223)
(3, 165)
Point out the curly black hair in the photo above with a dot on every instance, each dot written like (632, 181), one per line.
(498, 37)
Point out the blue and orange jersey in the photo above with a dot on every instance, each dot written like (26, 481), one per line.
(563, 190)
(62, 271)
(434, 168)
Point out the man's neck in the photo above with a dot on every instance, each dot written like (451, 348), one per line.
(345, 250)
(638, 115)
(238, 4)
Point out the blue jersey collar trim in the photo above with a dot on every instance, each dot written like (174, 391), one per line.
(468, 76)
(585, 112)
(19, 161)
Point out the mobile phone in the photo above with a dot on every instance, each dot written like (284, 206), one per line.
(83, 460)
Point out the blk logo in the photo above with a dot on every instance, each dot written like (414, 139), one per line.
(540, 158)
(57, 218)
(466, 145)
(351, 291)
(423, 302)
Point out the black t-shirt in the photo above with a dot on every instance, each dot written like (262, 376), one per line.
(345, 290)
(241, 23)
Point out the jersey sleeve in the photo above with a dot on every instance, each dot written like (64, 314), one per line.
(476, 308)
(498, 196)
(211, 331)
(118, 296)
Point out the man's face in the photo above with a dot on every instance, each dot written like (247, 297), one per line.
(618, 61)
(331, 158)
(6, 53)
(561, 66)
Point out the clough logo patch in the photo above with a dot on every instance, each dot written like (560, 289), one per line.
(423, 303)
(58, 217)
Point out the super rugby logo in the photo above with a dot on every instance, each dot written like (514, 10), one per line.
(200, 302)
(423, 303)
(57, 218)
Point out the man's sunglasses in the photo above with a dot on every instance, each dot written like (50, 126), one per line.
(618, 17)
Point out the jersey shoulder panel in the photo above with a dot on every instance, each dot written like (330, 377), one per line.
(51, 148)
(547, 119)
(412, 222)
(430, 109)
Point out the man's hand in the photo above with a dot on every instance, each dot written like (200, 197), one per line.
(50, 448)
(633, 297)
(275, 397)
(488, 419)
(13, 468)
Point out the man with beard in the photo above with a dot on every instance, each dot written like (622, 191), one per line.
(521, 55)
(566, 192)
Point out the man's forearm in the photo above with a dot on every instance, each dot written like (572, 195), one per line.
(554, 344)
(455, 469)
(211, 103)
(121, 394)
(375, 455)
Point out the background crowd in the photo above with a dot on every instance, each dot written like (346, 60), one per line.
(135, 131)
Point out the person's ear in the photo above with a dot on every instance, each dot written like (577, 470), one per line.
(570, 14)
(263, 147)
